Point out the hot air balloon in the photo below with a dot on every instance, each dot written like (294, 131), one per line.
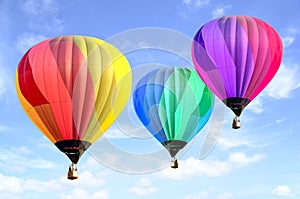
(174, 105)
(237, 56)
(70, 87)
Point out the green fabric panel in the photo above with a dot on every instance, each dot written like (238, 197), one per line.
(180, 99)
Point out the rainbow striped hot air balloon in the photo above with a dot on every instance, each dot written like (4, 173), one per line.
(237, 56)
(73, 88)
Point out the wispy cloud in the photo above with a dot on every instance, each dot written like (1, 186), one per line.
(229, 141)
(189, 6)
(83, 194)
(86, 186)
(285, 82)
(27, 40)
(195, 3)
(280, 120)
(144, 188)
(282, 191)
(210, 193)
(192, 167)
(288, 41)
(282, 86)
(2, 86)
(256, 106)
(240, 159)
(43, 15)
(15, 185)
(219, 11)
(289, 36)
(18, 160)
(86, 179)
(40, 7)
(2, 127)
(6, 84)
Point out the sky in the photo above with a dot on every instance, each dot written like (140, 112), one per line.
(261, 160)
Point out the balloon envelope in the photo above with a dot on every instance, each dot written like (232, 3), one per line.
(237, 56)
(174, 105)
(70, 88)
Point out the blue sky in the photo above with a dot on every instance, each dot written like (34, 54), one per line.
(261, 160)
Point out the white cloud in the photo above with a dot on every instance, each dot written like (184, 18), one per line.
(285, 81)
(192, 167)
(115, 133)
(22, 150)
(143, 191)
(210, 193)
(43, 15)
(2, 86)
(91, 175)
(7, 91)
(6, 83)
(228, 141)
(191, 6)
(40, 7)
(17, 160)
(82, 194)
(226, 196)
(282, 190)
(85, 179)
(240, 159)
(288, 41)
(144, 188)
(127, 129)
(145, 182)
(27, 40)
(219, 11)
(280, 120)
(15, 185)
(289, 37)
(256, 106)
(92, 164)
(3, 128)
(87, 185)
(101, 195)
(195, 3)
(291, 31)
(10, 184)
(186, 2)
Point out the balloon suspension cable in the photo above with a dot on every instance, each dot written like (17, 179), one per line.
(236, 123)
(174, 163)
(73, 172)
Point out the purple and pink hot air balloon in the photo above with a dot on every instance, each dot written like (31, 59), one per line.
(237, 56)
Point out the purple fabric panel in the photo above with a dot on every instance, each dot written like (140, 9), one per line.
(207, 70)
(250, 28)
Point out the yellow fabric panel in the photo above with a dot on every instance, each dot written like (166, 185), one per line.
(102, 105)
(119, 88)
(80, 43)
(103, 96)
(32, 114)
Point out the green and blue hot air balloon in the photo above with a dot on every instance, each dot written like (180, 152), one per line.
(174, 104)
